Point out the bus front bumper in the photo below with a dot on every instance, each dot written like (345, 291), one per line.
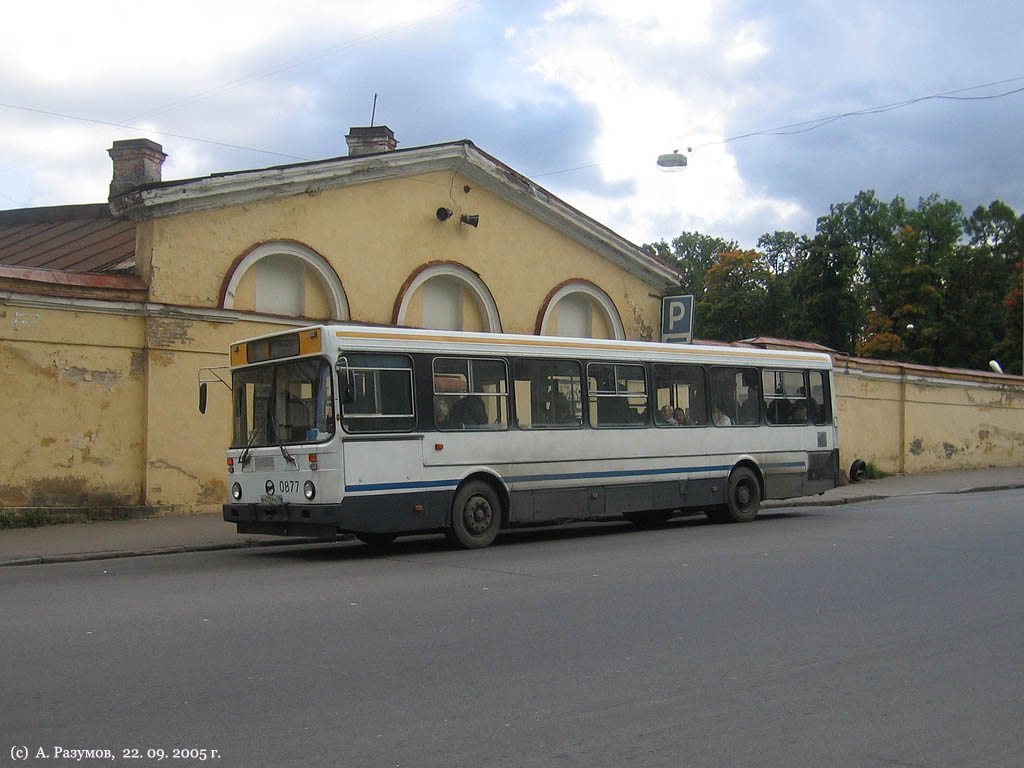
(401, 513)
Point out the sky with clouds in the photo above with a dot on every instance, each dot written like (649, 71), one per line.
(580, 95)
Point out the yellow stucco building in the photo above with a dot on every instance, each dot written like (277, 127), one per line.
(109, 311)
(100, 363)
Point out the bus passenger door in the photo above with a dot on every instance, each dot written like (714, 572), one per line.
(822, 452)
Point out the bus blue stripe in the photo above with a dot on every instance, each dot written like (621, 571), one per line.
(425, 484)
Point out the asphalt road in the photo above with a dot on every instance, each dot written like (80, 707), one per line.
(881, 634)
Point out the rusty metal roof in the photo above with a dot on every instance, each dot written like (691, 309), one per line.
(70, 238)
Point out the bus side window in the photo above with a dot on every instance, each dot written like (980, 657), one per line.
(548, 394)
(785, 397)
(617, 395)
(381, 394)
(736, 396)
(470, 394)
(679, 395)
(821, 402)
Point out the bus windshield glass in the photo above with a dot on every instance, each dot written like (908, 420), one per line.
(282, 403)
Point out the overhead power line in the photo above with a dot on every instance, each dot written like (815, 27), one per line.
(139, 128)
(810, 125)
(231, 85)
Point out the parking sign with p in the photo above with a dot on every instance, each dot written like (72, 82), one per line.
(677, 319)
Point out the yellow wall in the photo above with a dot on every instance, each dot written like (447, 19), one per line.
(376, 234)
(101, 410)
(73, 415)
(912, 420)
(100, 403)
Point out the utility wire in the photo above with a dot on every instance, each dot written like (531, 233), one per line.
(810, 125)
(146, 130)
(231, 85)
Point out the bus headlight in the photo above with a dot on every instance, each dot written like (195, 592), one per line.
(236, 491)
(309, 490)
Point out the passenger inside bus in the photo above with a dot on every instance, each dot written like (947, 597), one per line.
(720, 418)
(468, 411)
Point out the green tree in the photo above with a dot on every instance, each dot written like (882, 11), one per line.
(733, 304)
(783, 253)
(997, 242)
(693, 254)
(825, 308)
(905, 277)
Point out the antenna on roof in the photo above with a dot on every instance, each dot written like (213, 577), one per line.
(373, 114)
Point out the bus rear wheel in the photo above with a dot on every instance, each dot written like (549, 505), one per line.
(742, 496)
(476, 516)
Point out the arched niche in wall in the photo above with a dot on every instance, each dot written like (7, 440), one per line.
(579, 308)
(285, 278)
(447, 296)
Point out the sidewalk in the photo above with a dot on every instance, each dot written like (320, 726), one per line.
(190, 533)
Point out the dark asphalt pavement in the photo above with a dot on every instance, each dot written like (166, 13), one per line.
(182, 533)
(869, 634)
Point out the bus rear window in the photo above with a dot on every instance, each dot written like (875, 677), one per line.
(379, 393)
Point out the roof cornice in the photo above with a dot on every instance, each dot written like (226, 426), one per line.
(243, 187)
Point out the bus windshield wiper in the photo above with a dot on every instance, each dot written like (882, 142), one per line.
(244, 458)
(280, 441)
(284, 452)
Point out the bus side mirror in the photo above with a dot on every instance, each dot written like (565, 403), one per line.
(202, 397)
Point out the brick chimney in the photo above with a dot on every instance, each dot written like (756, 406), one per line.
(136, 162)
(370, 141)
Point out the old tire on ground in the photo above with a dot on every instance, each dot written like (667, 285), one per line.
(857, 470)
(476, 516)
(743, 496)
(377, 540)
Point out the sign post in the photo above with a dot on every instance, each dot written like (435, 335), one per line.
(677, 319)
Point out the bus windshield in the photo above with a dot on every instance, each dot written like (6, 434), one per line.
(282, 403)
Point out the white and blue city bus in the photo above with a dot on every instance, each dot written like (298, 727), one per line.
(381, 432)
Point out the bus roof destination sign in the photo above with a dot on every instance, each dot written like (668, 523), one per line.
(677, 319)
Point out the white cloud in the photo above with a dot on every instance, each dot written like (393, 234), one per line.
(746, 45)
(119, 41)
(590, 48)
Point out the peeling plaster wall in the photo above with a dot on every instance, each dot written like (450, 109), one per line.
(100, 409)
(184, 459)
(73, 409)
(929, 423)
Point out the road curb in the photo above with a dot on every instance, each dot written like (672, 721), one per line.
(78, 557)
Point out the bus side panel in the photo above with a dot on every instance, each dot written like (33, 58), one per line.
(396, 512)
(608, 501)
(382, 463)
(822, 471)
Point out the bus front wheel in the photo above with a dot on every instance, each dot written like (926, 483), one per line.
(743, 497)
(476, 516)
